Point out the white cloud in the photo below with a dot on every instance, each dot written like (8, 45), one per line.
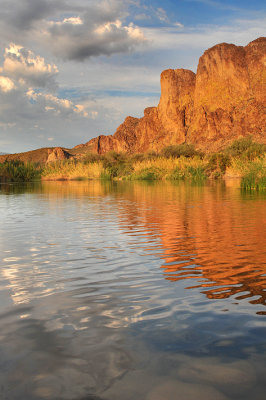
(6, 84)
(240, 32)
(70, 29)
(49, 102)
(142, 17)
(77, 39)
(25, 67)
(29, 73)
(91, 98)
(178, 24)
(162, 15)
(27, 105)
(73, 21)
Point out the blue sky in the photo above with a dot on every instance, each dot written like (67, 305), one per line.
(72, 70)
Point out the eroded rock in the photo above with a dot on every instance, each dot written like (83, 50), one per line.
(225, 100)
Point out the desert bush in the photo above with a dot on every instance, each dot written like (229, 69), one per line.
(195, 173)
(246, 149)
(138, 157)
(185, 150)
(177, 174)
(117, 164)
(217, 164)
(151, 173)
(91, 158)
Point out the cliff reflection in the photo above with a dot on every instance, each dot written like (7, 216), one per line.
(213, 236)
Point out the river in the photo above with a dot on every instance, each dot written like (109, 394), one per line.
(132, 291)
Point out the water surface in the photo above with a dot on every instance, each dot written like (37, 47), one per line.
(117, 291)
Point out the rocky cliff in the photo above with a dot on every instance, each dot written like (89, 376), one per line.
(223, 101)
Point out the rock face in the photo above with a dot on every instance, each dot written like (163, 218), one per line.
(225, 100)
(43, 155)
(229, 95)
(57, 154)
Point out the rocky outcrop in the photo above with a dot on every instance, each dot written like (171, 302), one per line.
(42, 155)
(229, 96)
(57, 154)
(225, 100)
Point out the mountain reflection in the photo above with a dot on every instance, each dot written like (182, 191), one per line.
(212, 236)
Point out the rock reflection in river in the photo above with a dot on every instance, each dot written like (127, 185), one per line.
(93, 292)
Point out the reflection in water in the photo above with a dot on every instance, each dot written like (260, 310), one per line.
(93, 299)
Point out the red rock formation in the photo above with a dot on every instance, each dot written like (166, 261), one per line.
(43, 155)
(223, 101)
(229, 95)
(57, 154)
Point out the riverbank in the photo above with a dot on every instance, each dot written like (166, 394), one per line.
(243, 159)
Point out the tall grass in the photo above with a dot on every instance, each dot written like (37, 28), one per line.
(243, 158)
(169, 168)
(254, 176)
(18, 171)
(71, 169)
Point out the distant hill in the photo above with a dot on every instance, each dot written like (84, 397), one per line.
(225, 100)
(46, 154)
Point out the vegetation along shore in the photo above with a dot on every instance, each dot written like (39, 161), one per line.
(244, 159)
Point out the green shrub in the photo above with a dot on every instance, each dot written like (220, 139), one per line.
(152, 173)
(105, 175)
(255, 177)
(18, 171)
(138, 157)
(177, 174)
(91, 157)
(152, 155)
(117, 164)
(217, 164)
(195, 173)
(186, 150)
(246, 149)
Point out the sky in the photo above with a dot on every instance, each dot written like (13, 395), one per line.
(71, 70)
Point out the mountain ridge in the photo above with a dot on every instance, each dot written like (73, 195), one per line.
(225, 100)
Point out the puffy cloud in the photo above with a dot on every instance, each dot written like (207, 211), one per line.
(77, 39)
(28, 105)
(51, 103)
(72, 30)
(6, 84)
(72, 21)
(24, 14)
(22, 65)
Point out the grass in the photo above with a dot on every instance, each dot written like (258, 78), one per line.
(169, 168)
(254, 176)
(18, 171)
(71, 169)
(243, 158)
